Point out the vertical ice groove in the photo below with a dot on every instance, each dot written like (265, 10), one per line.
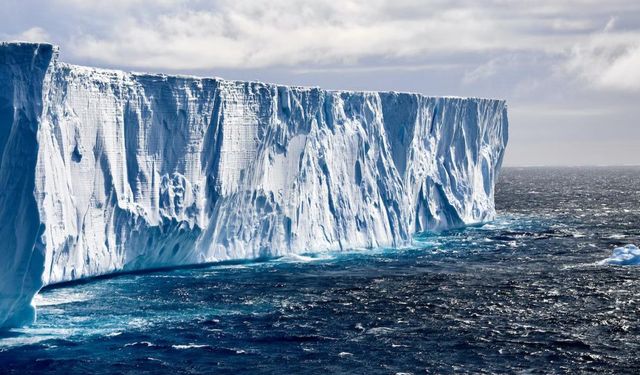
(104, 171)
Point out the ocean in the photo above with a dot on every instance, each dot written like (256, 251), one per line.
(527, 293)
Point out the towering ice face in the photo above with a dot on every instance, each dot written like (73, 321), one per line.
(103, 171)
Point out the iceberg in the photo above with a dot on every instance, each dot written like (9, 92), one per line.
(626, 255)
(104, 171)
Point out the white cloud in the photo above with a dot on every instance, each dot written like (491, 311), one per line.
(331, 35)
(116, 5)
(382, 68)
(531, 52)
(33, 34)
(482, 72)
(610, 25)
(608, 60)
(243, 34)
(623, 72)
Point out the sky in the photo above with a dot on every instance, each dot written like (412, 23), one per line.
(569, 70)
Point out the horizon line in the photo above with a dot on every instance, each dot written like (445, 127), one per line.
(572, 166)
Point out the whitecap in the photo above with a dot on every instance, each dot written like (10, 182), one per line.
(141, 343)
(379, 331)
(60, 297)
(616, 236)
(399, 345)
(298, 258)
(21, 341)
(189, 346)
(30, 336)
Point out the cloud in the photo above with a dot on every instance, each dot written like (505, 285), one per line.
(624, 71)
(282, 32)
(610, 25)
(204, 34)
(565, 67)
(329, 35)
(608, 60)
(382, 68)
(117, 6)
(33, 34)
(482, 72)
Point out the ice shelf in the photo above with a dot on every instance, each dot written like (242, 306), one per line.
(105, 171)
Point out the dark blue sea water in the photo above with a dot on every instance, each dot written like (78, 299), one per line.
(522, 294)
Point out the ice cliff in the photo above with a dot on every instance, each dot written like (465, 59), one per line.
(103, 171)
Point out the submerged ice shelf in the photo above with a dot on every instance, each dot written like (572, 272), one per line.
(105, 171)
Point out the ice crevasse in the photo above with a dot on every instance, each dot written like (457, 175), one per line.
(104, 171)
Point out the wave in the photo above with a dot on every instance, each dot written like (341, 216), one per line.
(189, 346)
(60, 297)
(299, 258)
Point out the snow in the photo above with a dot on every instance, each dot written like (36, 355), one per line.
(110, 171)
(624, 256)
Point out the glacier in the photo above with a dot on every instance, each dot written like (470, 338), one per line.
(104, 171)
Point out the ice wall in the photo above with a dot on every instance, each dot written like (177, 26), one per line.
(104, 171)
(23, 70)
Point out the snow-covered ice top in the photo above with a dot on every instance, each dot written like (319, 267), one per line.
(104, 171)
